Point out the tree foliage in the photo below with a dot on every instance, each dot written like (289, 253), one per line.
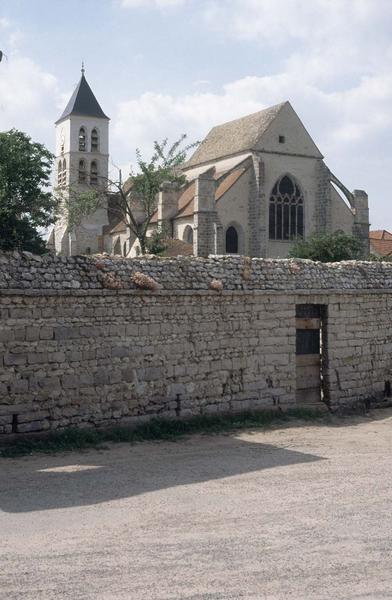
(25, 202)
(134, 200)
(327, 247)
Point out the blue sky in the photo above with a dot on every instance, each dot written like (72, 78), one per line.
(163, 67)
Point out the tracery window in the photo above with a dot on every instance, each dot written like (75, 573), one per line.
(82, 172)
(231, 240)
(82, 140)
(94, 141)
(94, 173)
(286, 210)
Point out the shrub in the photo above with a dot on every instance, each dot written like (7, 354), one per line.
(327, 247)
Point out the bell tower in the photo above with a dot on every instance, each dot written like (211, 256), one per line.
(82, 156)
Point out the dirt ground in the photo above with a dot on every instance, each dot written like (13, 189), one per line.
(301, 512)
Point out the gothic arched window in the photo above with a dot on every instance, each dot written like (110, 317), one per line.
(94, 172)
(188, 235)
(59, 173)
(231, 240)
(82, 172)
(286, 210)
(94, 140)
(82, 140)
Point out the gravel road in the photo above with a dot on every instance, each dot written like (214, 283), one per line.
(301, 512)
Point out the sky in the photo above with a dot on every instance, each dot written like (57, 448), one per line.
(160, 68)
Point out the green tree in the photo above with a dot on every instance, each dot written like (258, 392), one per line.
(25, 202)
(134, 200)
(327, 247)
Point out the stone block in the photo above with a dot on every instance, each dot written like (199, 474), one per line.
(14, 359)
(70, 381)
(37, 357)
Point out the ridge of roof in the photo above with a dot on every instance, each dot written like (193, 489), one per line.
(233, 137)
(83, 103)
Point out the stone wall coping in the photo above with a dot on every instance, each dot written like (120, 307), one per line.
(211, 293)
(100, 275)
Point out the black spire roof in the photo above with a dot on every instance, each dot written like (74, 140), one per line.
(83, 102)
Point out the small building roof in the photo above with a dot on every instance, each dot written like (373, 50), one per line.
(83, 103)
(234, 137)
(380, 234)
(381, 242)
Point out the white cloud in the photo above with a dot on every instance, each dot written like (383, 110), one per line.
(28, 93)
(151, 3)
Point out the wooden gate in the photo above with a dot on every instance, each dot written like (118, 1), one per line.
(308, 354)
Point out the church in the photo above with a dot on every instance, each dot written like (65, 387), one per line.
(253, 186)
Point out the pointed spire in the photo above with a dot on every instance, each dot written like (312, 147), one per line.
(83, 102)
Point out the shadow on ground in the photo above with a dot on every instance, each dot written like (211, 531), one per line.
(81, 479)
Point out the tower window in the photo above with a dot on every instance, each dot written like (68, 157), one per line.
(61, 172)
(231, 240)
(282, 139)
(94, 141)
(286, 210)
(94, 173)
(82, 172)
(82, 139)
(64, 172)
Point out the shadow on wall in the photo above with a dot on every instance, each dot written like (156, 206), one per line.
(42, 483)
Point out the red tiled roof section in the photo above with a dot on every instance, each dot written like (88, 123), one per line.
(228, 182)
(185, 202)
(380, 234)
(381, 247)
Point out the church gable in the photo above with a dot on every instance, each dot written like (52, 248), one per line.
(286, 134)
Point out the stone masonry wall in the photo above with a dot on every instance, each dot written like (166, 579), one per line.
(75, 353)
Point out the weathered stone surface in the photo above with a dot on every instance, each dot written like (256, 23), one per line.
(92, 357)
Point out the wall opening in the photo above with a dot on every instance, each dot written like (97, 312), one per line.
(14, 426)
(231, 240)
(387, 389)
(311, 354)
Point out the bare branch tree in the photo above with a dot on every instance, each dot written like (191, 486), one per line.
(135, 200)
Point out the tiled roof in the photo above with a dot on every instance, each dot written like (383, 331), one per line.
(380, 234)
(235, 136)
(83, 103)
(381, 247)
(185, 202)
(228, 182)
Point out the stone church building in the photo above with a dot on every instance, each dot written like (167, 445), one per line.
(254, 185)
